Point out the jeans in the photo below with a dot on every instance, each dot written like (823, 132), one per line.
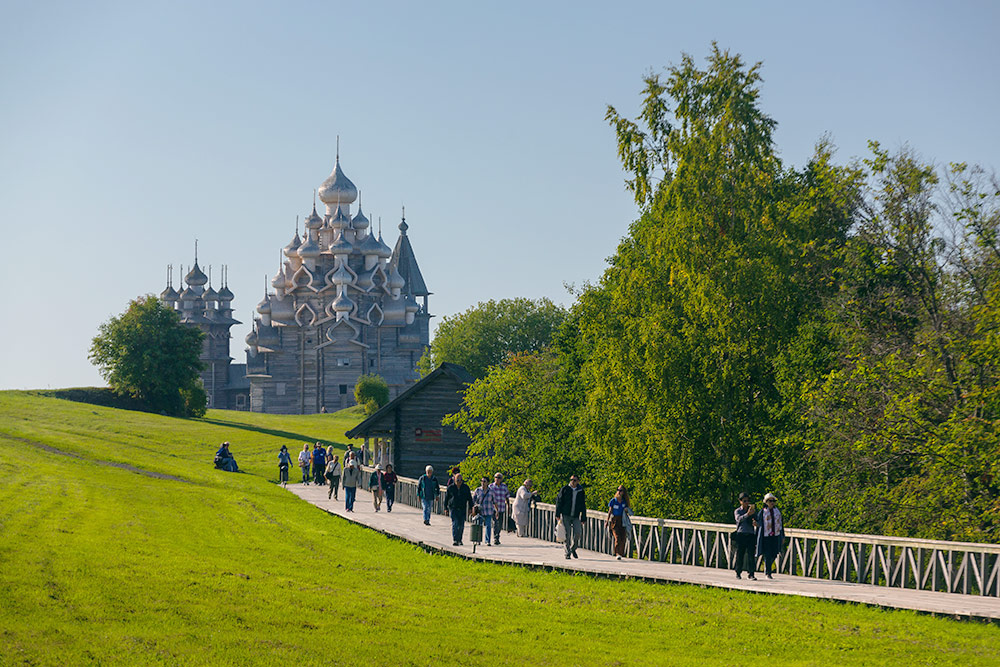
(349, 493)
(390, 496)
(574, 533)
(428, 504)
(457, 527)
(305, 474)
(487, 524)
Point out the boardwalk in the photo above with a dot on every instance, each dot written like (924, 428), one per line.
(406, 523)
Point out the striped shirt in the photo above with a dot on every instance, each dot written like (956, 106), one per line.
(499, 494)
(483, 498)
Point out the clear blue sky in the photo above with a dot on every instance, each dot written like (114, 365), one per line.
(129, 129)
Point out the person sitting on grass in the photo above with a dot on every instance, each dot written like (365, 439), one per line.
(224, 459)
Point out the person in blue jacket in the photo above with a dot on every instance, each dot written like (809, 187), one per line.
(224, 459)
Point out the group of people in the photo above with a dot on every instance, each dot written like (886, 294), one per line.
(759, 533)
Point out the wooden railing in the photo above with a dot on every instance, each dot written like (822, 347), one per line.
(933, 565)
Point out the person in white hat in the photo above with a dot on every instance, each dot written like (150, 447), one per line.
(770, 533)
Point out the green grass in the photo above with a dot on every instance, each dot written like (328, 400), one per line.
(99, 564)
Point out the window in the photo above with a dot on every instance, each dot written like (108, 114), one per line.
(343, 389)
(279, 388)
(343, 362)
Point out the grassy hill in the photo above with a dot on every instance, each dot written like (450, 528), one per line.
(120, 543)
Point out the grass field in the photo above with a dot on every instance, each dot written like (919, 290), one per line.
(178, 563)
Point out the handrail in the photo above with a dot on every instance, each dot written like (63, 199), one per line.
(968, 568)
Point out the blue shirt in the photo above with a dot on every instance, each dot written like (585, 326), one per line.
(617, 507)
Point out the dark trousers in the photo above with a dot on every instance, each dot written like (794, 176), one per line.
(318, 474)
(282, 474)
(390, 496)
(770, 546)
(334, 487)
(349, 493)
(618, 531)
(744, 544)
(457, 527)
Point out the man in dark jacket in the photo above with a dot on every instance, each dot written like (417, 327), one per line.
(571, 509)
(458, 502)
(319, 464)
(428, 489)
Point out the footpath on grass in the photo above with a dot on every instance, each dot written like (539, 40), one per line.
(406, 522)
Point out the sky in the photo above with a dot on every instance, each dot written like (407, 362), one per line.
(130, 129)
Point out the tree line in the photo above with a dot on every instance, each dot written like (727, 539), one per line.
(829, 333)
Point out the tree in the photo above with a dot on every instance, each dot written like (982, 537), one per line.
(148, 354)
(372, 392)
(484, 335)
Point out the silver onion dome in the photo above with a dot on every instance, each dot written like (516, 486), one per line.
(337, 188)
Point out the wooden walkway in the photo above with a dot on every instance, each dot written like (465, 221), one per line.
(406, 522)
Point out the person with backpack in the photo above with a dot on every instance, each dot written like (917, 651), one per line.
(375, 486)
(428, 489)
(284, 463)
(319, 464)
(389, 480)
(333, 477)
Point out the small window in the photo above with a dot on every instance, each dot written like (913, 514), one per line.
(279, 388)
(343, 362)
(343, 389)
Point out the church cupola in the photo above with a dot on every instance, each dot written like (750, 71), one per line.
(337, 190)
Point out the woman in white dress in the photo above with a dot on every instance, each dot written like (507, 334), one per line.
(522, 507)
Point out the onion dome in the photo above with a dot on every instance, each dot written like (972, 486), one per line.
(210, 294)
(395, 280)
(365, 280)
(370, 246)
(225, 294)
(340, 219)
(342, 304)
(309, 249)
(337, 188)
(169, 295)
(293, 245)
(264, 307)
(342, 246)
(313, 221)
(342, 276)
(384, 252)
(196, 276)
(251, 338)
(359, 221)
(188, 294)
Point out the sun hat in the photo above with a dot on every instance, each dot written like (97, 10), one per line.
(769, 496)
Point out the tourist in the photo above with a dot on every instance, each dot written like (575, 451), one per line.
(743, 537)
(375, 486)
(484, 502)
(428, 489)
(571, 511)
(350, 480)
(617, 509)
(319, 464)
(501, 505)
(284, 463)
(333, 477)
(522, 507)
(331, 453)
(451, 477)
(224, 459)
(770, 533)
(389, 480)
(458, 502)
(305, 459)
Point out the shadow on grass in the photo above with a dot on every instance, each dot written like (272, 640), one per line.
(269, 431)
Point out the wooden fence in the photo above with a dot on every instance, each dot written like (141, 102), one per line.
(933, 565)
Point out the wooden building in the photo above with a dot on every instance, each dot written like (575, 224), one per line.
(408, 432)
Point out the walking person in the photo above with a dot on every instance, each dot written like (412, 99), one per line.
(428, 489)
(617, 508)
(501, 505)
(350, 480)
(333, 477)
(319, 464)
(522, 507)
(458, 503)
(284, 463)
(743, 537)
(770, 533)
(389, 480)
(571, 509)
(305, 460)
(484, 501)
(375, 486)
